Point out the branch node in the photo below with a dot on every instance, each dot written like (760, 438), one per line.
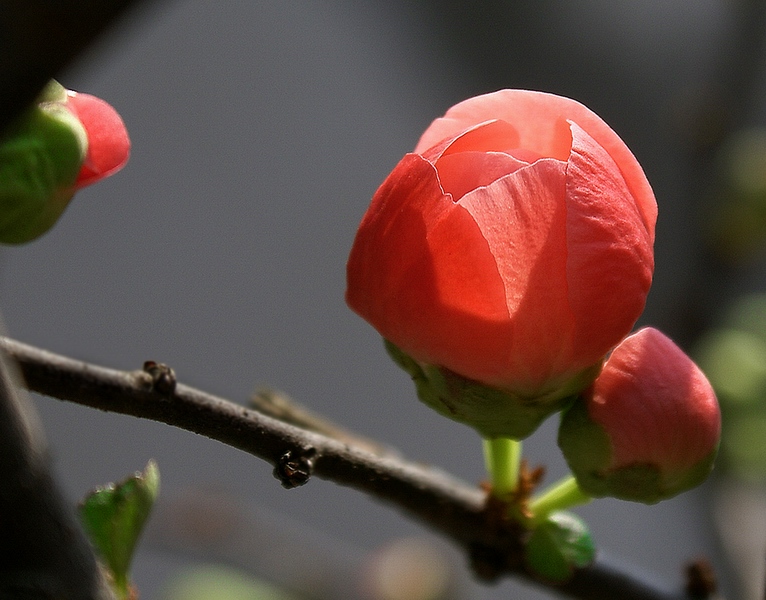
(163, 377)
(503, 552)
(295, 467)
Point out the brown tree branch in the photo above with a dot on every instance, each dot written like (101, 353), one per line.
(449, 506)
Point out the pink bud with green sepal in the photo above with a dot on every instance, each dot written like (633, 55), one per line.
(648, 427)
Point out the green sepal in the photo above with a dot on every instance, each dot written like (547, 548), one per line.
(558, 546)
(586, 447)
(40, 158)
(493, 412)
(52, 92)
(114, 517)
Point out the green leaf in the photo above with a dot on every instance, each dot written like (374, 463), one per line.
(114, 516)
(558, 546)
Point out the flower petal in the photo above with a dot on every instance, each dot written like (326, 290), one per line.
(529, 246)
(465, 171)
(490, 136)
(610, 256)
(108, 142)
(421, 272)
(541, 121)
(539, 118)
(656, 404)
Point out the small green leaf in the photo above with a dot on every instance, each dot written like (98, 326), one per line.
(114, 516)
(558, 546)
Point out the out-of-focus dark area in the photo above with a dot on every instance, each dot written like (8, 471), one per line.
(260, 131)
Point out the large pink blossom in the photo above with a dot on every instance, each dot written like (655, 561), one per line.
(513, 247)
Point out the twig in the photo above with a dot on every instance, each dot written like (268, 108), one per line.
(43, 552)
(279, 405)
(449, 506)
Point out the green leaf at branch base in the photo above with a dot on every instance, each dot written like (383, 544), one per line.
(558, 546)
(114, 517)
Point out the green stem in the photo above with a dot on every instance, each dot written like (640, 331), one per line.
(560, 496)
(502, 457)
(121, 586)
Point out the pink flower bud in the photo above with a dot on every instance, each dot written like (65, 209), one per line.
(513, 247)
(61, 144)
(647, 428)
(108, 142)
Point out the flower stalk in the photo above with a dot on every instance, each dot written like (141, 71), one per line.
(560, 496)
(503, 457)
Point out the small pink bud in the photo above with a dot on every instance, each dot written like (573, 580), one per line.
(64, 142)
(647, 428)
(108, 142)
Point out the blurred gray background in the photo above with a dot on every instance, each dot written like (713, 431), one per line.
(260, 131)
